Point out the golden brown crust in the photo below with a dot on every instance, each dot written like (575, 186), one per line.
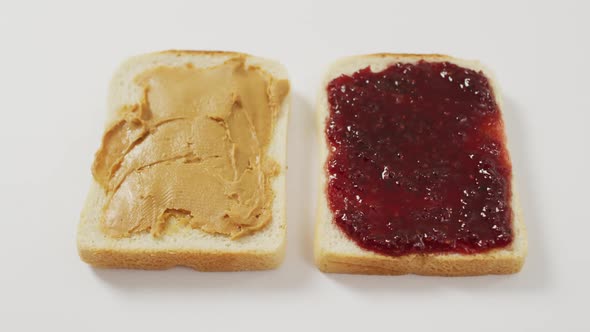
(207, 261)
(409, 55)
(433, 265)
(202, 52)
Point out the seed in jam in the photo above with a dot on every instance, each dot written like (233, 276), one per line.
(417, 160)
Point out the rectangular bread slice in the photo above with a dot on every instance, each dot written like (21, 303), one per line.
(185, 246)
(336, 253)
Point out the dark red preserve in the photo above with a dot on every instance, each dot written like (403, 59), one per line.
(418, 162)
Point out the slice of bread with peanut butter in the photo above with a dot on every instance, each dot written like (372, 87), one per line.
(191, 169)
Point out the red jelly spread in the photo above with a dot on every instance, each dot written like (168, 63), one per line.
(417, 160)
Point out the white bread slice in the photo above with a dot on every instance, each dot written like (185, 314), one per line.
(334, 252)
(180, 245)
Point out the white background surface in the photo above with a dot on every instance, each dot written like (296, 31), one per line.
(56, 59)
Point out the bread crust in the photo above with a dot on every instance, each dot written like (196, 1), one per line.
(334, 252)
(420, 265)
(206, 261)
(262, 250)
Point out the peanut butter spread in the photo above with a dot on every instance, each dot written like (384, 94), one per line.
(195, 148)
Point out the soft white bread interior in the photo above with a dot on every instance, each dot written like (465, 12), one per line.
(335, 252)
(181, 245)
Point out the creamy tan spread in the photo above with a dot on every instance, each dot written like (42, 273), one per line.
(195, 148)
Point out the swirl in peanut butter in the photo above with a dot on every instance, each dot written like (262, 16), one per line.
(195, 149)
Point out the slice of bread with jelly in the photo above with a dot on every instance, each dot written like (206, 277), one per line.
(416, 177)
(178, 204)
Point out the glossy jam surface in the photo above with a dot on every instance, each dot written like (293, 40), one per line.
(418, 162)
